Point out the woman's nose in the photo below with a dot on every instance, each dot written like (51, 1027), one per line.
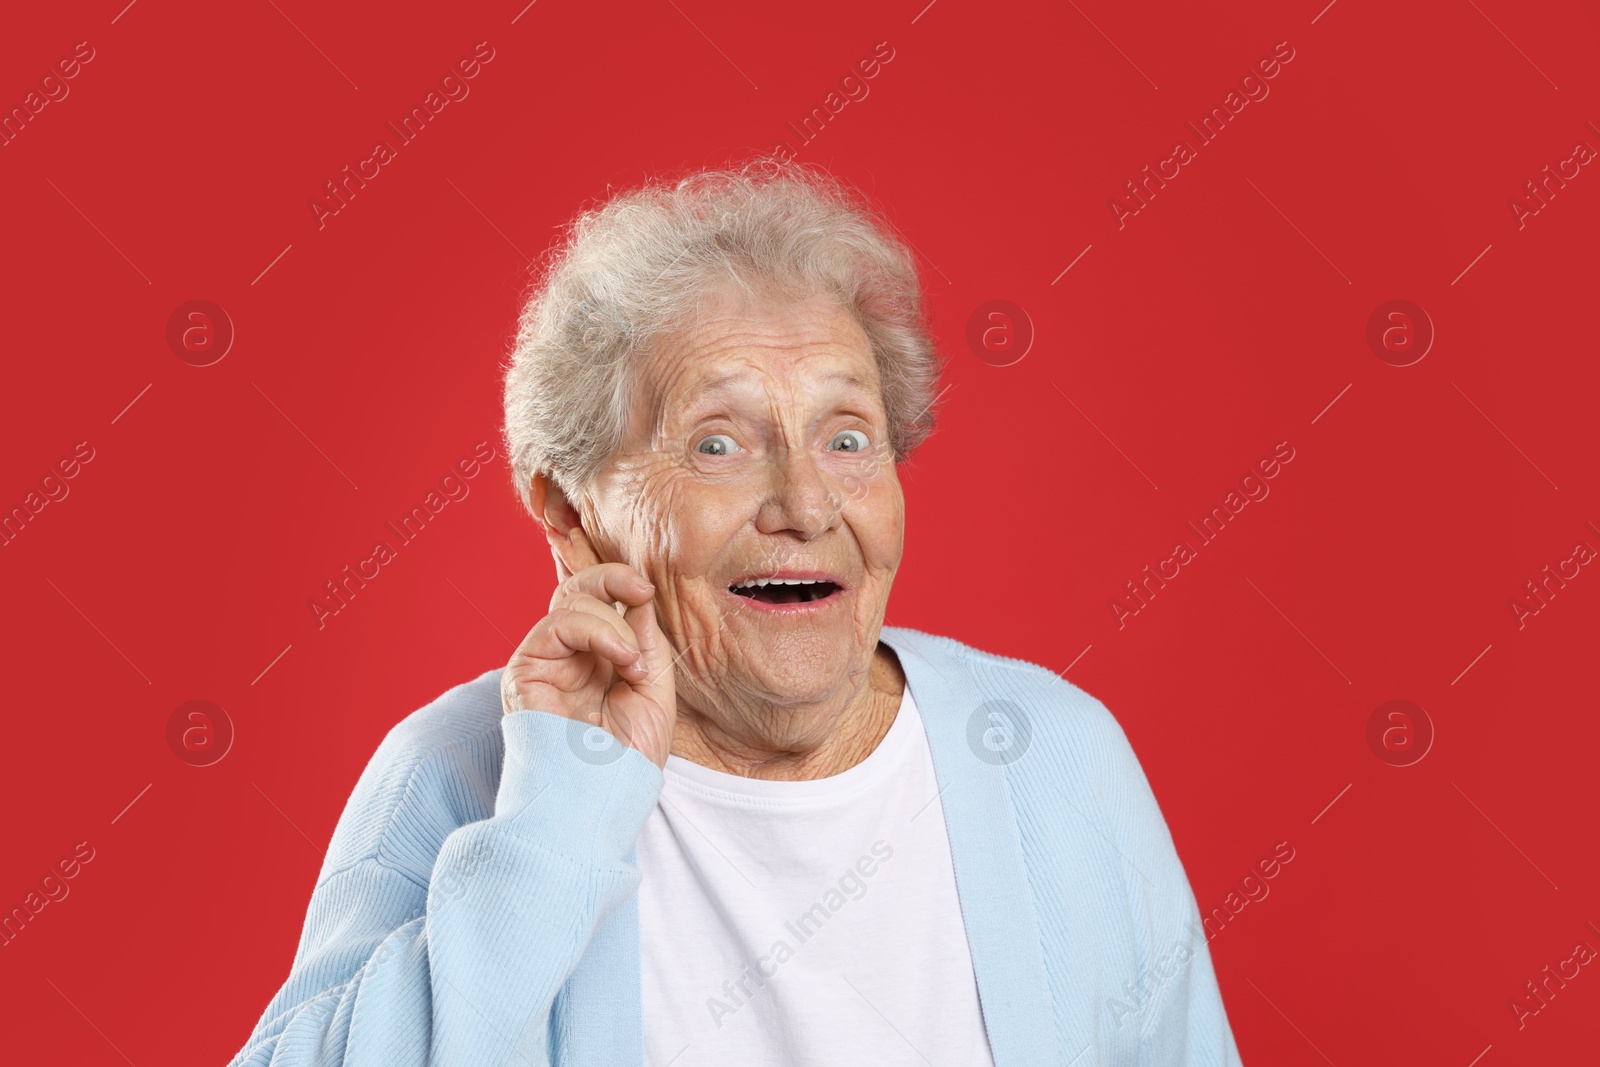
(804, 496)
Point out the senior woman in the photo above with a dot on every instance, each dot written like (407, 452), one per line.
(714, 811)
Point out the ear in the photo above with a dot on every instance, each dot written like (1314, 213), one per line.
(563, 527)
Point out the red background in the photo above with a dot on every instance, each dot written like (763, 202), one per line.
(1223, 318)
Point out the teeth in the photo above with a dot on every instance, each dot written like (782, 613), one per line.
(775, 581)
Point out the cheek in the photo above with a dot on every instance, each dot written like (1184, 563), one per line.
(655, 506)
(682, 524)
(879, 519)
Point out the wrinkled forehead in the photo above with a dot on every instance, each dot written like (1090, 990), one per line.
(806, 352)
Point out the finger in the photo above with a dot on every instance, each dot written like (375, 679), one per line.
(630, 651)
(607, 583)
(656, 656)
(566, 632)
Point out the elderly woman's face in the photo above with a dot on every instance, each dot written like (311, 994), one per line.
(759, 446)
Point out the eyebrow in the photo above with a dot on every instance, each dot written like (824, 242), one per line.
(717, 382)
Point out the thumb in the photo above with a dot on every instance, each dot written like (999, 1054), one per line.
(656, 655)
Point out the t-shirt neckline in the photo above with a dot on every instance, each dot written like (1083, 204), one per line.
(900, 736)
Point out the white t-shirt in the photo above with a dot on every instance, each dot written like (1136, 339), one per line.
(806, 924)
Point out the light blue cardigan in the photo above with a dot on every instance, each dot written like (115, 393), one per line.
(477, 905)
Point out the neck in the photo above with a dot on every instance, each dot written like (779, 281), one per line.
(854, 734)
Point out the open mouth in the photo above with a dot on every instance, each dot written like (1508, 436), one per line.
(784, 592)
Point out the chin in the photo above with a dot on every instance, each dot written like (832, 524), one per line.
(800, 670)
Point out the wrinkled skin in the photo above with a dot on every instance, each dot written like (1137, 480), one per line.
(780, 468)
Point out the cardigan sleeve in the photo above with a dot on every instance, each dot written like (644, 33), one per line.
(464, 970)
(1182, 1019)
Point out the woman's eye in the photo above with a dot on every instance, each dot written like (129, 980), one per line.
(858, 443)
(721, 445)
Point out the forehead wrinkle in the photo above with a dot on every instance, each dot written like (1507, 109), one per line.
(748, 383)
(721, 382)
(686, 350)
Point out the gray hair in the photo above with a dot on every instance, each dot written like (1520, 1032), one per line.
(641, 266)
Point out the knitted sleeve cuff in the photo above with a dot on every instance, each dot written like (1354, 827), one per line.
(573, 787)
